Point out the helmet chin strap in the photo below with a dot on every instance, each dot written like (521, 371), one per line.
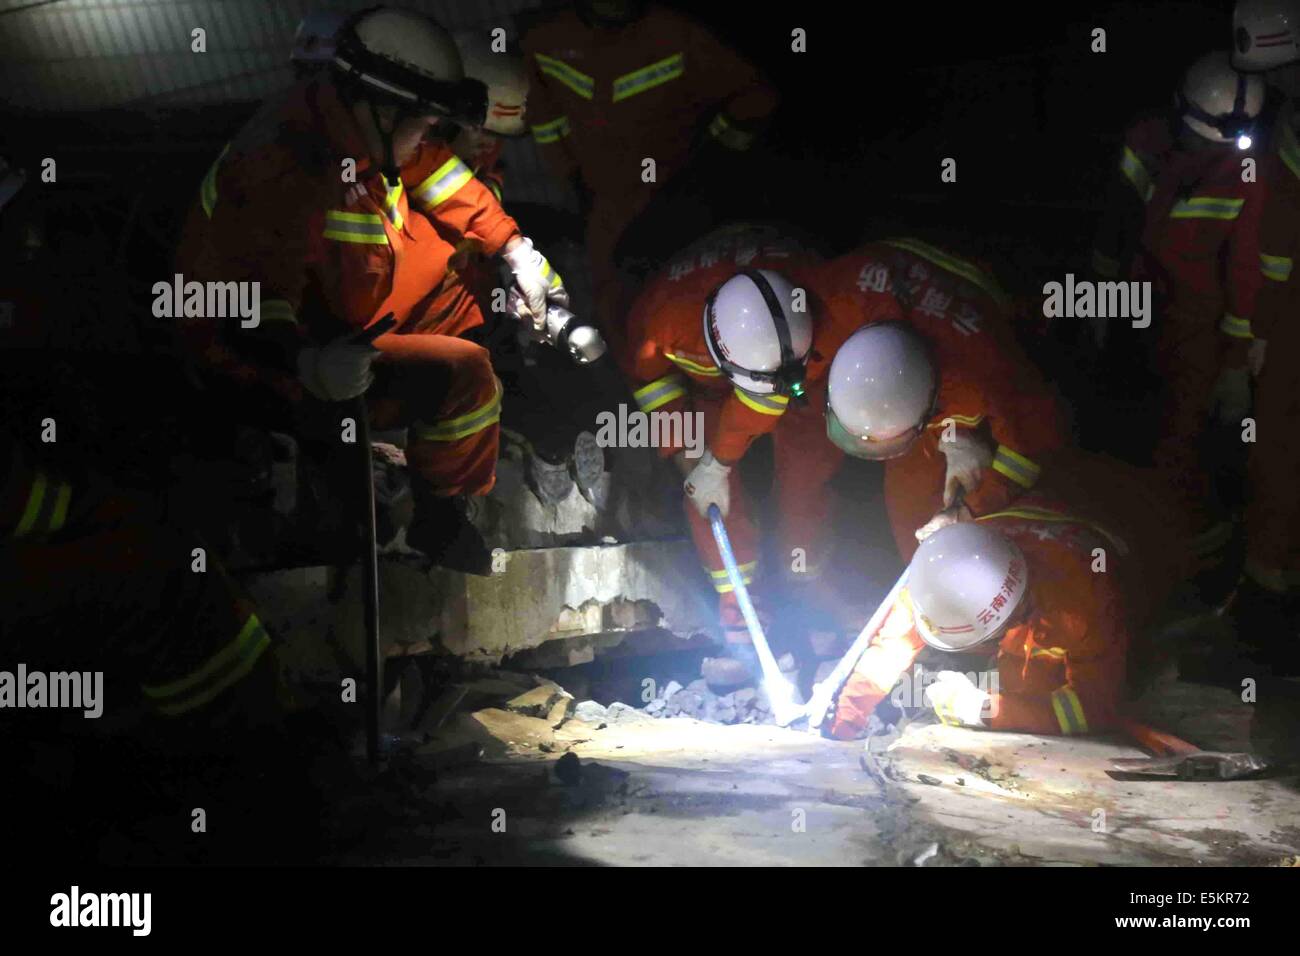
(389, 168)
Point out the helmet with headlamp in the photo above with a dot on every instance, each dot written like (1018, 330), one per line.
(756, 336)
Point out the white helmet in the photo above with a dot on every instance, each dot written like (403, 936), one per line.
(756, 336)
(1264, 34)
(965, 581)
(881, 391)
(314, 42)
(1219, 103)
(403, 57)
(506, 78)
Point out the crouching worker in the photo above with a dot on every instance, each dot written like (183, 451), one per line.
(1023, 587)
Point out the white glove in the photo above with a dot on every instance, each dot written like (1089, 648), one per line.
(942, 519)
(968, 456)
(956, 700)
(707, 484)
(1232, 395)
(1255, 357)
(536, 281)
(337, 371)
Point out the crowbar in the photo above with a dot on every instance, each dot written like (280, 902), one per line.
(823, 693)
(1176, 759)
(370, 555)
(780, 692)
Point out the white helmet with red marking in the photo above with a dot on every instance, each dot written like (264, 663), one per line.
(506, 78)
(1265, 34)
(966, 582)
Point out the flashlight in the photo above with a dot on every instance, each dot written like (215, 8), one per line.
(1244, 141)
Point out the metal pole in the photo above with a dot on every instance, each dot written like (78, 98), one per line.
(370, 585)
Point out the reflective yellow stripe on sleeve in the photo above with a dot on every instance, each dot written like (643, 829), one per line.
(576, 80)
(726, 133)
(648, 77)
(659, 392)
(1207, 207)
(225, 668)
(1015, 466)
(695, 368)
(208, 189)
(462, 426)
(722, 583)
(1137, 174)
(551, 132)
(443, 183)
(763, 404)
(365, 228)
(32, 510)
(1236, 327)
(392, 207)
(1277, 268)
(1069, 712)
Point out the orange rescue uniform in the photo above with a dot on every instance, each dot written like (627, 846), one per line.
(1184, 220)
(987, 384)
(603, 101)
(1273, 508)
(669, 366)
(332, 256)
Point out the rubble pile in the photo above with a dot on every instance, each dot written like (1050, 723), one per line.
(747, 705)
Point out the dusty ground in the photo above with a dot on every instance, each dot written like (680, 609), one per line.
(684, 792)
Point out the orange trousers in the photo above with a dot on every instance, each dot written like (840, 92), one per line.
(805, 462)
(444, 390)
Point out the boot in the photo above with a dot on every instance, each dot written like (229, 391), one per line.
(442, 531)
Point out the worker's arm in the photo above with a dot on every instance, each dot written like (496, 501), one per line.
(888, 656)
(745, 100)
(262, 221)
(1244, 276)
(1130, 184)
(441, 184)
(659, 386)
(1022, 420)
(548, 120)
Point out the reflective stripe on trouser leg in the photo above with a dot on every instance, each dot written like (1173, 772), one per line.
(457, 455)
(216, 674)
(1069, 711)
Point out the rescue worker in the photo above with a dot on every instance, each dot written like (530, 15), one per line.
(280, 208)
(1051, 594)
(1182, 214)
(96, 579)
(930, 380)
(617, 82)
(720, 333)
(1266, 605)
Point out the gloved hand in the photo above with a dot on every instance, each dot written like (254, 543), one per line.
(707, 484)
(337, 371)
(1255, 357)
(942, 519)
(968, 456)
(956, 700)
(1232, 395)
(536, 282)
